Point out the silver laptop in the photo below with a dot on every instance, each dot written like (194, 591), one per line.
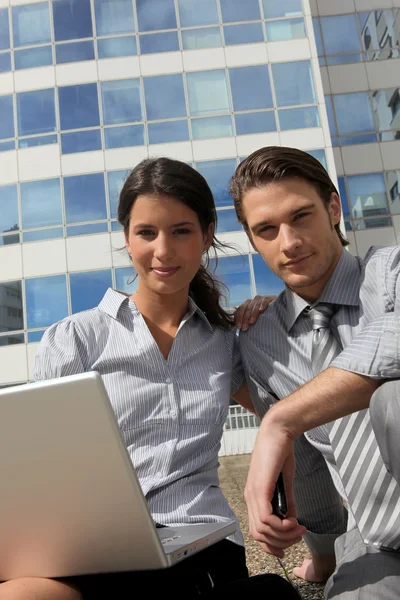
(70, 501)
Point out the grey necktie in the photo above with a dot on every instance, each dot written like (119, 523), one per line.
(372, 493)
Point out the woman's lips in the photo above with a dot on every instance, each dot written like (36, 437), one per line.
(165, 271)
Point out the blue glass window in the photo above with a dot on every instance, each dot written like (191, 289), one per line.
(87, 289)
(212, 127)
(43, 234)
(191, 14)
(255, 79)
(234, 272)
(367, 195)
(168, 131)
(46, 300)
(318, 36)
(125, 280)
(7, 117)
(81, 141)
(5, 146)
(267, 283)
(114, 16)
(287, 29)
(85, 198)
(256, 122)
(283, 8)
(237, 10)
(72, 19)
(9, 238)
(11, 298)
(156, 14)
(11, 340)
(343, 198)
(40, 140)
(331, 116)
(353, 113)
(170, 103)
(31, 24)
(121, 101)
(5, 62)
(116, 180)
(33, 57)
(227, 221)
(41, 203)
(74, 52)
(121, 137)
(35, 336)
(9, 208)
(36, 112)
(320, 155)
(79, 106)
(217, 173)
(114, 47)
(4, 29)
(299, 118)
(246, 33)
(201, 101)
(115, 226)
(369, 138)
(88, 229)
(209, 37)
(159, 42)
(340, 34)
(293, 83)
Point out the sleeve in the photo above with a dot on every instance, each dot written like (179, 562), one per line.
(238, 375)
(61, 352)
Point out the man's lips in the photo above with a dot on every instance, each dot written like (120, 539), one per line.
(296, 261)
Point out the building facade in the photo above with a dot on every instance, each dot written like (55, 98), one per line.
(88, 88)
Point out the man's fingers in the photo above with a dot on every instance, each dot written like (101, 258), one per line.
(239, 314)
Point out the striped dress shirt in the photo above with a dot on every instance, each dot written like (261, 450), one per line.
(276, 355)
(171, 412)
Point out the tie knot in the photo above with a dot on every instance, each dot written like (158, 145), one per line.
(321, 315)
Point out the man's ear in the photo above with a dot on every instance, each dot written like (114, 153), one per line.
(335, 208)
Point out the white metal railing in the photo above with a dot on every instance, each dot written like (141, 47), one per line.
(240, 431)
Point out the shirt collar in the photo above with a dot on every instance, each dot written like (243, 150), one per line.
(336, 291)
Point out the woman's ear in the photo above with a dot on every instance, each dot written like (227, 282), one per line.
(208, 240)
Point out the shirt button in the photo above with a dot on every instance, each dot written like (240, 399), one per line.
(168, 380)
(172, 412)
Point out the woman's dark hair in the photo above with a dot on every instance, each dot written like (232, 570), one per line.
(277, 163)
(164, 176)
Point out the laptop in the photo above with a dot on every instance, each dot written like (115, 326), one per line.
(70, 500)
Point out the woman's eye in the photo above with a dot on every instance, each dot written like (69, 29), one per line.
(182, 231)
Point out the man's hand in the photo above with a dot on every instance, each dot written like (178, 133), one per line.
(273, 453)
(248, 312)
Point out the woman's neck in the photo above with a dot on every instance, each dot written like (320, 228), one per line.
(162, 309)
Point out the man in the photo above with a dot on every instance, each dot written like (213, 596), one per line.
(336, 310)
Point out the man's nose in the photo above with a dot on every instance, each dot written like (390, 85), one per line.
(290, 239)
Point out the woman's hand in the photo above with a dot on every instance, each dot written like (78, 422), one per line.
(248, 312)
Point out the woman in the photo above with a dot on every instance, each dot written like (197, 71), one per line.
(166, 356)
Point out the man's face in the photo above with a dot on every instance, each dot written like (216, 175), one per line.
(293, 230)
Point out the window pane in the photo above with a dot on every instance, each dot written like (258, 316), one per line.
(168, 131)
(168, 104)
(367, 195)
(369, 138)
(227, 221)
(340, 34)
(209, 37)
(247, 33)
(394, 191)
(121, 101)
(293, 83)
(156, 14)
(318, 36)
(121, 137)
(331, 116)
(288, 29)
(87, 289)
(353, 112)
(5, 62)
(36, 112)
(284, 8)
(33, 57)
(43, 234)
(46, 300)
(89, 229)
(85, 198)
(114, 47)
(74, 52)
(191, 14)
(234, 272)
(9, 238)
(11, 340)
(343, 198)
(267, 283)
(125, 280)
(114, 16)
(9, 208)
(207, 92)
(42, 140)
(72, 19)
(79, 106)
(257, 122)
(212, 127)
(4, 29)
(255, 79)
(116, 180)
(299, 118)
(217, 173)
(31, 24)
(320, 155)
(4, 146)
(386, 106)
(35, 336)
(41, 203)
(159, 42)
(237, 10)
(81, 141)
(7, 117)
(11, 315)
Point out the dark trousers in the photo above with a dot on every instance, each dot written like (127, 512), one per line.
(217, 572)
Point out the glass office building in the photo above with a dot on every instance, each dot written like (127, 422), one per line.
(88, 88)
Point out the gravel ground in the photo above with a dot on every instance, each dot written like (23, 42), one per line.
(233, 473)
